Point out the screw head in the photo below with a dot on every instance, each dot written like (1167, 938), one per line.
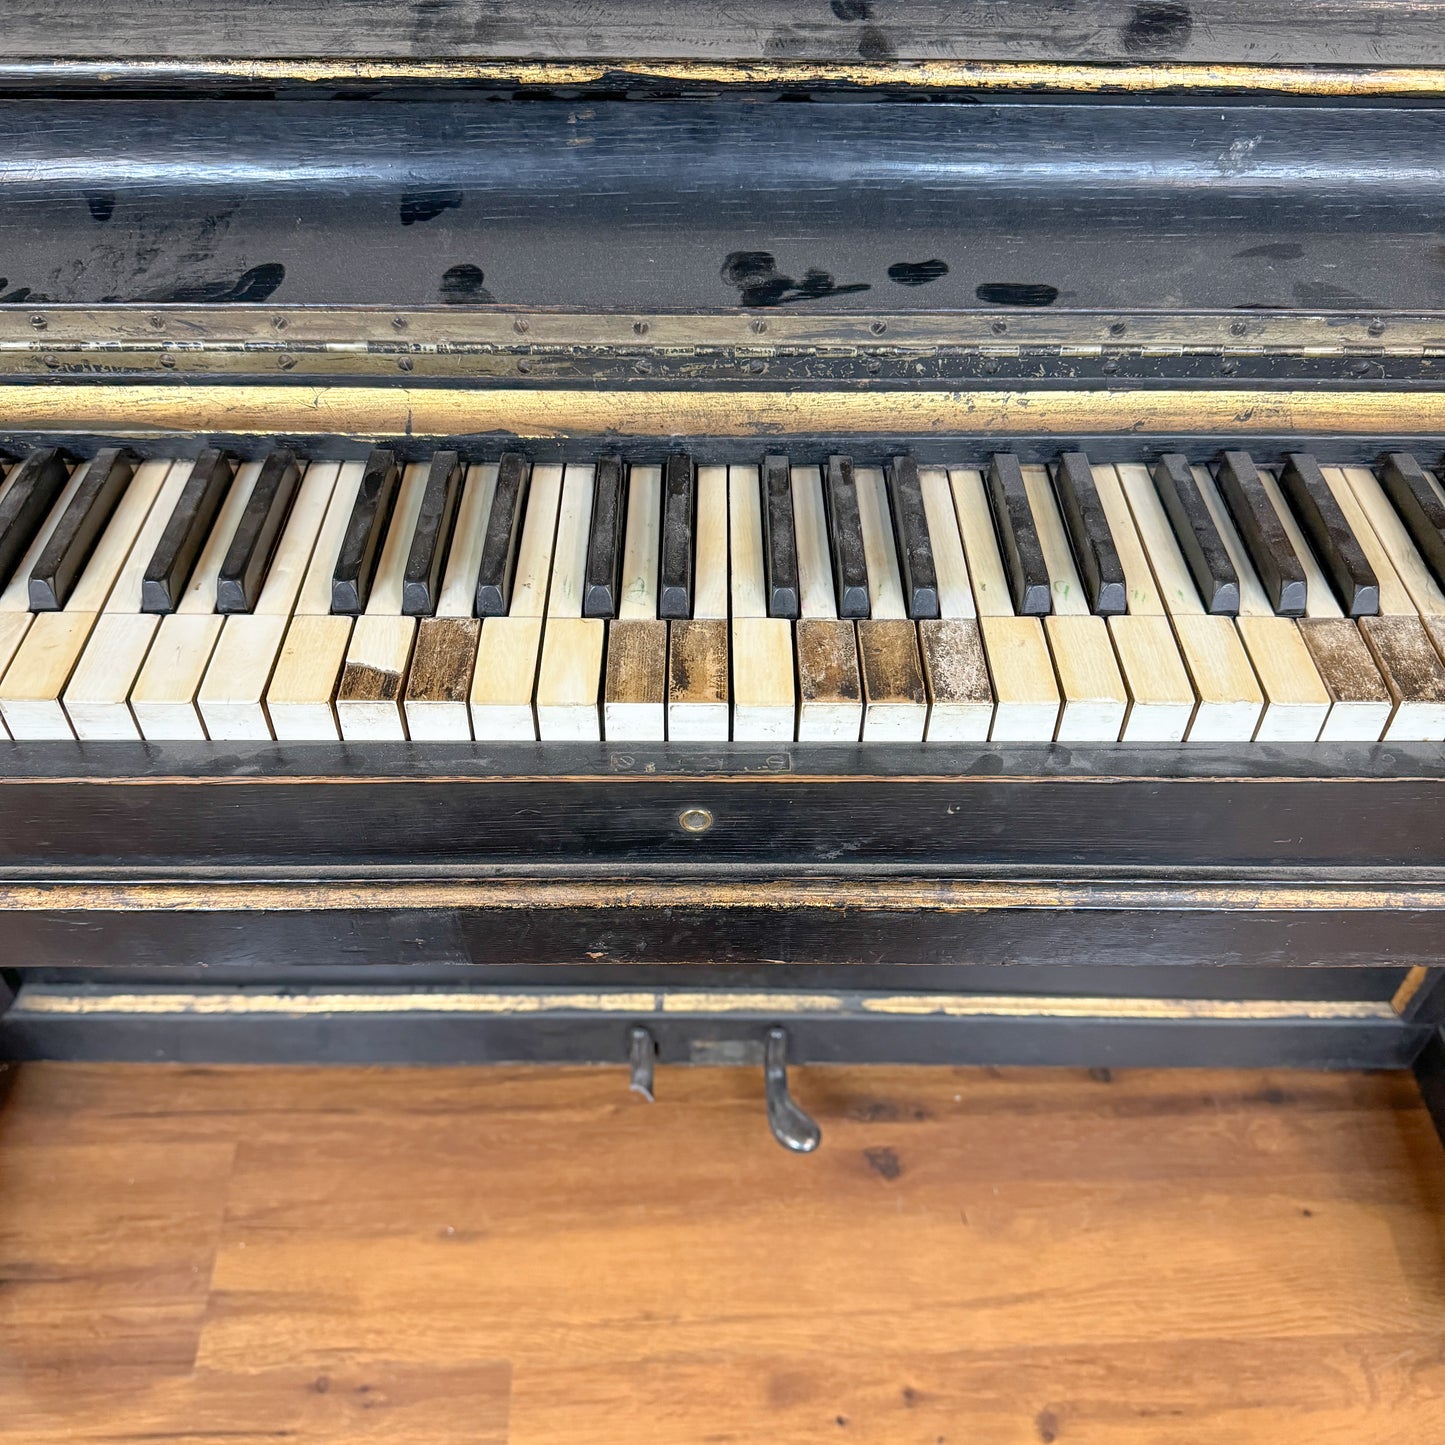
(1117, 329)
(404, 363)
(168, 361)
(1238, 328)
(279, 322)
(695, 820)
(521, 325)
(758, 326)
(38, 322)
(878, 327)
(399, 323)
(285, 361)
(1376, 327)
(998, 327)
(641, 328)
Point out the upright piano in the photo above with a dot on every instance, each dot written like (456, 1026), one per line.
(767, 534)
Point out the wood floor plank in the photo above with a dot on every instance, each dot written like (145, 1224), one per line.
(1126, 1258)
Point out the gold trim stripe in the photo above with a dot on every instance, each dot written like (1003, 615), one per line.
(383, 411)
(833, 894)
(1410, 985)
(683, 1002)
(1091, 77)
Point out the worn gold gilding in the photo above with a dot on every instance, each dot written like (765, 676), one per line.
(139, 409)
(1101, 77)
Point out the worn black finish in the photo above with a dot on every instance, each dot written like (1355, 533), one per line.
(780, 550)
(176, 554)
(603, 590)
(845, 538)
(1090, 540)
(422, 582)
(1350, 575)
(243, 573)
(679, 525)
(504, 535)
(361, 545)
(1018, 542)
(1419, 506)
(932, 806)
(1204, 552)
(770, 207)
(86, 517)
(1280, 572)
(910, 533)
(39, 481)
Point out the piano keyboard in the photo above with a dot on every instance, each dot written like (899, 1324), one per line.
(1157, 601)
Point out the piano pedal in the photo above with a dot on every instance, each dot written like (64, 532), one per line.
(792, 1127)
(641, 1056)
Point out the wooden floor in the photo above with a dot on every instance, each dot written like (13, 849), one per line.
(466, 1257)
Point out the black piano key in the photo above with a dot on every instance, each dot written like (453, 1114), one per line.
(1323, 523)
(38, 482)
(1092, 542)
(64, 556)
(910, 532)
(1281, 573)
(780, 544)
(187, 528)
(845, 539)
(679, 513)
(421, 583)
(1018, 542)
(360, 551)
(1204, 551)
(504, 536)
(602, 593)
(1420, 509)
(243, 573)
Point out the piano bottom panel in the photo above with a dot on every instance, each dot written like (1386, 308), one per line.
(698, 1025)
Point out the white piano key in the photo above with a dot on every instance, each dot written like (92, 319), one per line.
(710, 573)
(232, 694)
(1026, 693)
(32, 687)
(303, 685)
(1161, 696)
(895, 697)
(164, 694)
(1230, 700)
(763, 700)
(507, 655)
(569, 676)
(1095, 701)
(1296, 703)
(634, 707)
(96, 698)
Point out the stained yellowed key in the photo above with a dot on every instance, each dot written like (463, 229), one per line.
(1026, 693)
(764, 707)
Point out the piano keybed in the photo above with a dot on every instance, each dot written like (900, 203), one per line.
(832, 599)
